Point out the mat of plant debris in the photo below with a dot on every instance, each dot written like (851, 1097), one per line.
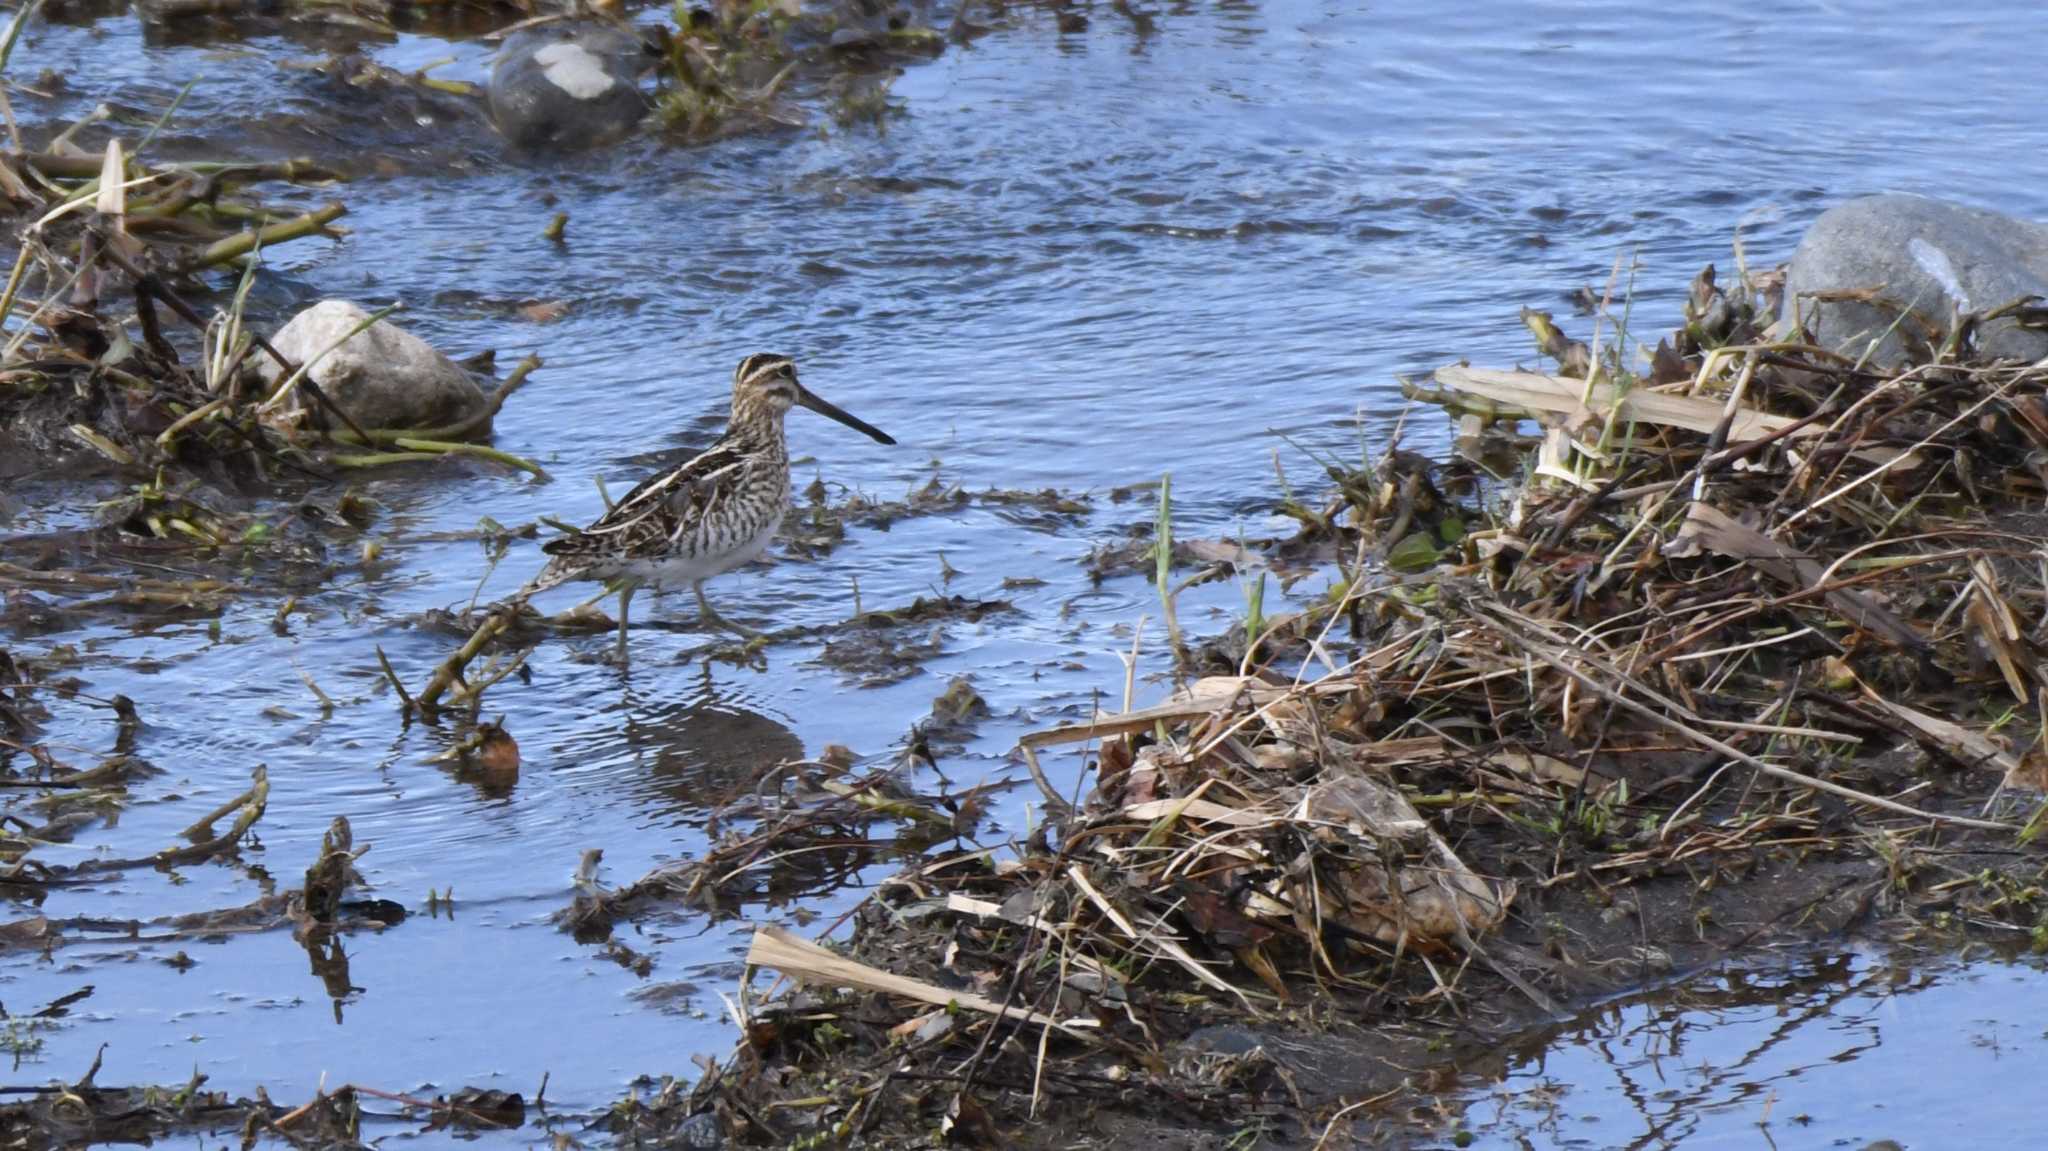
(1745, 650)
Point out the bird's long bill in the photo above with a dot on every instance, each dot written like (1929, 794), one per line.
(804, 397)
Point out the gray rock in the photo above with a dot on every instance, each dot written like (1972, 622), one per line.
(1930, 255)
(572, 84)
(700, 1132)
(383, 377)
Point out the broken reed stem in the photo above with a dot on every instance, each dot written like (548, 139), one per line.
(1895, 461)
(493, 675)
(404, 697)
(22, 16)
(807, 962)
(28, 327)
(1331, 1127)
(416, 450)
(449, 674)
(203, 411)
(1162, 545)
(203, 827)
(242, 243)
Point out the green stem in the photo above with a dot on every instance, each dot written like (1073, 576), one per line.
(21, 20)
(242, 243)
(166, 117)
(481, 451)
(380, 459)
(416, 450)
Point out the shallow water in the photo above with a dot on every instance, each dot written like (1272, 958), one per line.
(1076, 261)
(1837, 1049)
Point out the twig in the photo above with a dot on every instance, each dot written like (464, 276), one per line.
(404, 697)
(1331, 1127)
(450, 670)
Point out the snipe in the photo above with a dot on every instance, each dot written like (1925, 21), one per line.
(705, 516)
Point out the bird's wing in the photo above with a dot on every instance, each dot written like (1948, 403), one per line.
(660, 506)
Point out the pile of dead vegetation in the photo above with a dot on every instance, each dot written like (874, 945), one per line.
(1751, 648)
(94, 237)
(110, 359)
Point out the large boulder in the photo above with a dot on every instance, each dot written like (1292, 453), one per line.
(383, 376)
(1932, 256)
(570, 84)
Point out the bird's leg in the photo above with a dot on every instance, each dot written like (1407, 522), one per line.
(626, 591)
(710, 615)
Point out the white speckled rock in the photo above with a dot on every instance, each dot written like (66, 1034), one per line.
(1931, 255)
(572, 84)
(383, 377)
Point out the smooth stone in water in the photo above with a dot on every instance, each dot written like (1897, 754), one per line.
(383, 377)
(1931, 255)
(573, 84)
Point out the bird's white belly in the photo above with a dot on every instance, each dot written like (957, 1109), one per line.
(680, 570)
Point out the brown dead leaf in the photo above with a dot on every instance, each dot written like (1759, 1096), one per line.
(967, 1121)
(2033, 418)
(1667, 366)
(1517, 769)
(1258, 963)
(34, 929)
(499, 752)
(918, 1023)
(1216, 552)
(1216, 919)
(2030, 773)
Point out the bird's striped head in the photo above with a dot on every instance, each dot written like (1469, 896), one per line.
(764, 388)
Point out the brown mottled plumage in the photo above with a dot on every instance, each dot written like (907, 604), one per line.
(710, 514)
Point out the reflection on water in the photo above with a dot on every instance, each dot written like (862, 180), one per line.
(1834, 1050)
(698, 754)
(329, 959)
